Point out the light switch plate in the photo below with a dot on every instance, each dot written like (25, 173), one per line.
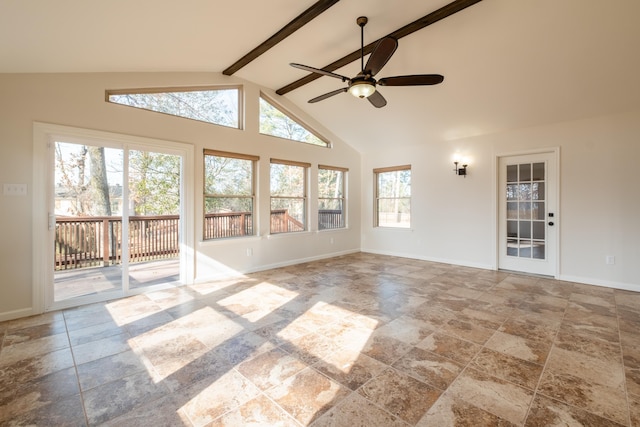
(15, 189)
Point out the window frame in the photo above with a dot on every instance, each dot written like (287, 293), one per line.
(292, 117)
(172, 89)
(377, 198)
(254, 166)
(342, 199)
(304, 198)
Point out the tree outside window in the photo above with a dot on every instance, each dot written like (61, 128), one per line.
(217, 105)
(393, 197)
(275, 122)
(229, 196)
(288, 183)
(331, 197)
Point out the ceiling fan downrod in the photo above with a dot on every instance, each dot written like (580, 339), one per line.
(362, 21)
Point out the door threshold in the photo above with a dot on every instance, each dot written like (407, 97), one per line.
(523, 273)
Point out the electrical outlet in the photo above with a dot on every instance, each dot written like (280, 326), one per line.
(249, 252)
(15, 189)
(610, 260)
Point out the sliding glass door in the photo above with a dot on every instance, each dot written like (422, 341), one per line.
(115, 220)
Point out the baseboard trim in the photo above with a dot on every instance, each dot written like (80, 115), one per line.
(15, 314)
(598, 282)
(287, 263)
(432, 259)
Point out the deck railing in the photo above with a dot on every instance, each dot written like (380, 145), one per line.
(330, 218)
(97, 241)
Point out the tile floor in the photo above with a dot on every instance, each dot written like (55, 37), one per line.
(358, 340)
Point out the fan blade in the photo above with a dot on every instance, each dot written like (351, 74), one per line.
(319, 71)
(377, 100)
(380, 55)
(328, 95)
(413, 80)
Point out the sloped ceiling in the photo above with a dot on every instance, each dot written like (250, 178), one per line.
(507, 64)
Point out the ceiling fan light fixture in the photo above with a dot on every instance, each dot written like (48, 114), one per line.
(362, 89)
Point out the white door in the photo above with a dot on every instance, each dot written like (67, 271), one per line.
(528, 216)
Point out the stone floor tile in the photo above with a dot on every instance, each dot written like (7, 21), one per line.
(522, 348)
(509, 368)
(356, 411)
(307, 395)
(607, 402)
(350, 367)
(400, 394)
(451, 411)
(260, 411)
(111, 400)
(271, 368)
(448, 346)
(208, 399)
(501, 398)
(429, 367)
(552, 413)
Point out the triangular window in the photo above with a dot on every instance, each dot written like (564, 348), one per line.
(217, 105)
(275, 121)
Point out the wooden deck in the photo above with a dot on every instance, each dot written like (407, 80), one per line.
(94, 280)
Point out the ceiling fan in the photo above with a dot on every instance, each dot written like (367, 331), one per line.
(364, 85)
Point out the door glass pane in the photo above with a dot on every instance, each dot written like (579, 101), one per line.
(525, 249)
(537, 191)
(88, 223)
(525, 229)
(525, 192)
(537, 210)
(538, 230)
(526, 217)
(539, 250)
(154, 221)
(525, 210)
(538, 171)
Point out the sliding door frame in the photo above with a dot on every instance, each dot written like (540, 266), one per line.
(44, 137)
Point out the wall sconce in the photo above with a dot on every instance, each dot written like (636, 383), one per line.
(460, 171)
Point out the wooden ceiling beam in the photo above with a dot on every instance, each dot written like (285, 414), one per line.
(293, 26)
(425, 21)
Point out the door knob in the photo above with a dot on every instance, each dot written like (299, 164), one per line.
(551, 223)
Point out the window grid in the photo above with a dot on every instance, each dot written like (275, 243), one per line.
(229, 195)
(331, 197)
(393, 197)
(288, 184)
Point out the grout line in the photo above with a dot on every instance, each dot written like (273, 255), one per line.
(75, 367)
(546, 362)
(624, 371)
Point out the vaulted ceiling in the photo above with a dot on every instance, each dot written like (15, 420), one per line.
(507, 64)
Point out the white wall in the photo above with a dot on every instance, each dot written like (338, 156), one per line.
(77, 100)
(453, 218)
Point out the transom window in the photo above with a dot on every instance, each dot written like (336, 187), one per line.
(288, 181)
(217, 105)
(393, 197)
(331, 197)
(229, 196)
(275, 121)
